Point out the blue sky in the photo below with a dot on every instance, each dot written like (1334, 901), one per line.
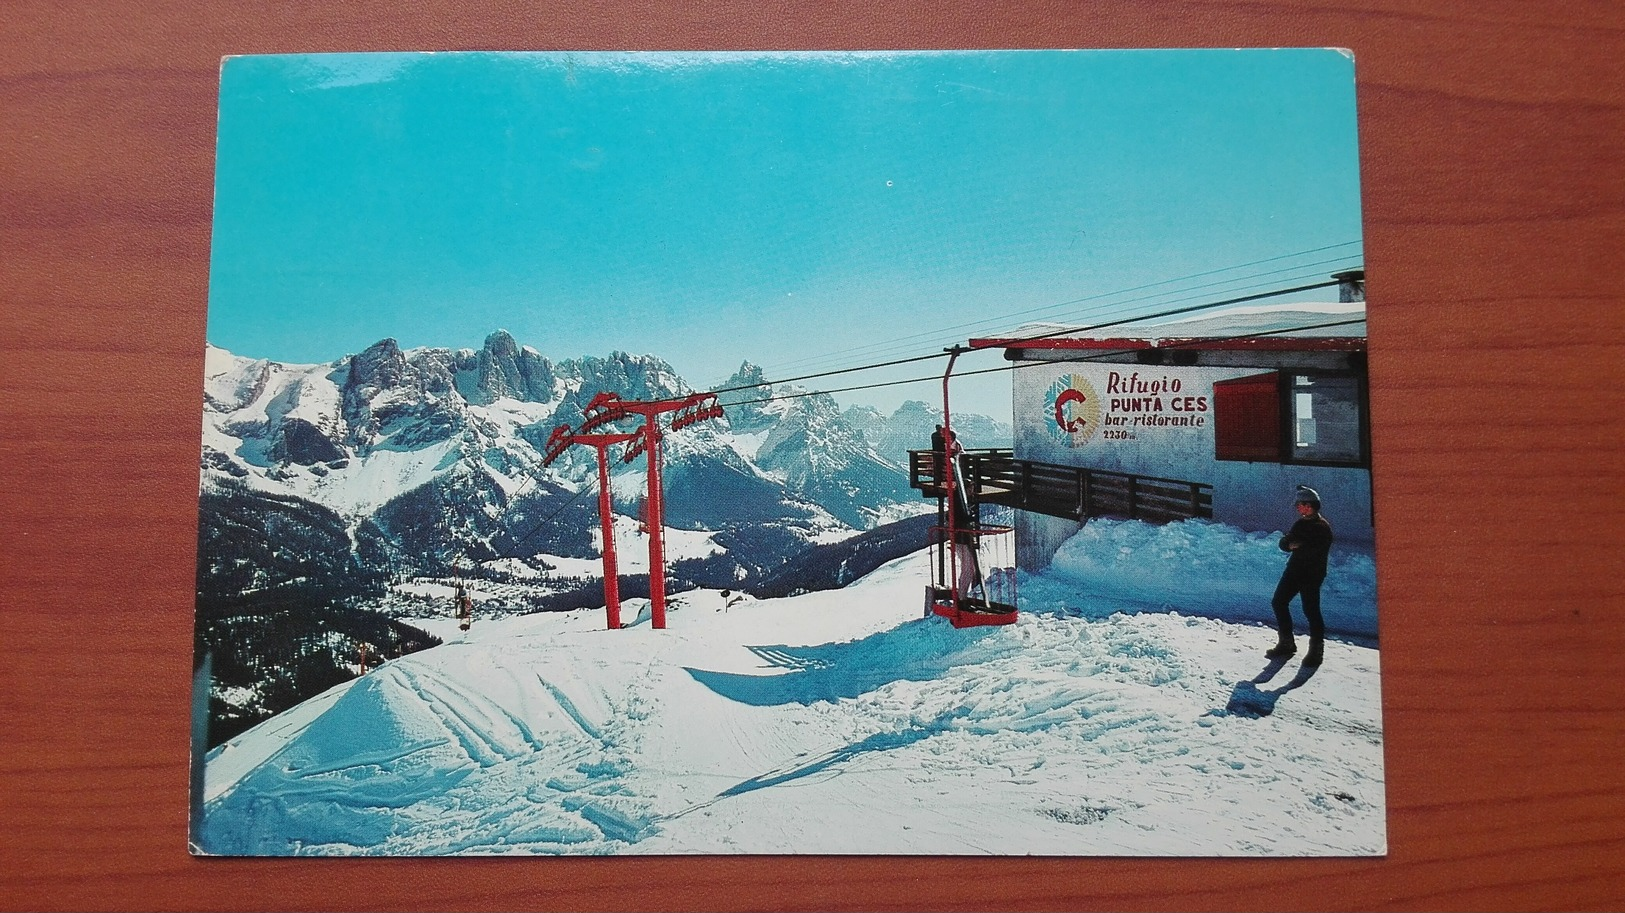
(804, 212)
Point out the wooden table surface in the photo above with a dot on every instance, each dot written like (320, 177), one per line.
(1491, 140)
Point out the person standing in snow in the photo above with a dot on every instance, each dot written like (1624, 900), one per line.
(1308, 545)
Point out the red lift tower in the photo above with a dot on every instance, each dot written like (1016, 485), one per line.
(606, 408)
(560, 440)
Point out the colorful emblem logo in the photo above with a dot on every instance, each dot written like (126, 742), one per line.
(1073, 409)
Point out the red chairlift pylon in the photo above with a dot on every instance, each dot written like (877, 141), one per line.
(610, 407)
(559, 441)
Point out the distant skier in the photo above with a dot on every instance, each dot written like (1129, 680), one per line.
(1308, 544)
(465, 608)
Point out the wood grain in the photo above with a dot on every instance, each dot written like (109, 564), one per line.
(1495, 226)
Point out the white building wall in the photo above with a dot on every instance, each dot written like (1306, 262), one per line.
(1039, 537)
(1158, 421)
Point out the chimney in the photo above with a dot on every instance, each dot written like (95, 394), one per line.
(1351, 285)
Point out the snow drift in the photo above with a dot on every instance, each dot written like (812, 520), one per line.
(1198, 567)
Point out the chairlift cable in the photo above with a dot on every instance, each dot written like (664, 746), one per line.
(1171, 312)
(1005, 318)
(1138, 288)
(1093, 357)
(590, 485)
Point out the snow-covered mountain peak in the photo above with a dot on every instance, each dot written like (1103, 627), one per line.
(442, 448)
(748, 375)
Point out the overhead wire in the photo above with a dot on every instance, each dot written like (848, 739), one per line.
(1306, 270)
(1065, 331)
(1067, 360)
(1104, 295)
(1137, 318)
(1116, 307)
(590, 485)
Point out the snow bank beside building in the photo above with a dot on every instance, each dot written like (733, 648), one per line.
(1196, 567)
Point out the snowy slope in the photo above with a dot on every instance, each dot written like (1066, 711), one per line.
(833, 722)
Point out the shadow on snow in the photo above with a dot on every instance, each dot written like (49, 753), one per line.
(880, 741)
(1249, 701)
(829, 760)
(919, 650)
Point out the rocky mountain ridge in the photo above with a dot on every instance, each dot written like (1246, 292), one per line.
(432, 459)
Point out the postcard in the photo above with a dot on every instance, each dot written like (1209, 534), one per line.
(920, 453)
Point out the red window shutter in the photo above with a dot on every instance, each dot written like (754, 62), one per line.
(1247, 418)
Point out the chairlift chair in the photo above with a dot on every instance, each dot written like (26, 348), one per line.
(974, 586)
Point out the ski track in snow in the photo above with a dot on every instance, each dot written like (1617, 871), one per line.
(833, 722)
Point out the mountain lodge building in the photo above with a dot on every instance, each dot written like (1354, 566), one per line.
(1213, 415)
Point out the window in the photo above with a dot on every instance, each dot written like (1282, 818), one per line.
(1295, 418)
(1325, 419)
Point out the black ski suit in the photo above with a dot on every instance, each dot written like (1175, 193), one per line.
(1308, 544)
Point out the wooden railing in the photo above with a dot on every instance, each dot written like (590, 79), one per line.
(1073, 492)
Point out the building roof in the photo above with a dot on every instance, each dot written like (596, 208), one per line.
(1296, 326)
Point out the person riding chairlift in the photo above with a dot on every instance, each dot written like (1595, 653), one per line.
(965, 540)
(465, 608)
(964, 521)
